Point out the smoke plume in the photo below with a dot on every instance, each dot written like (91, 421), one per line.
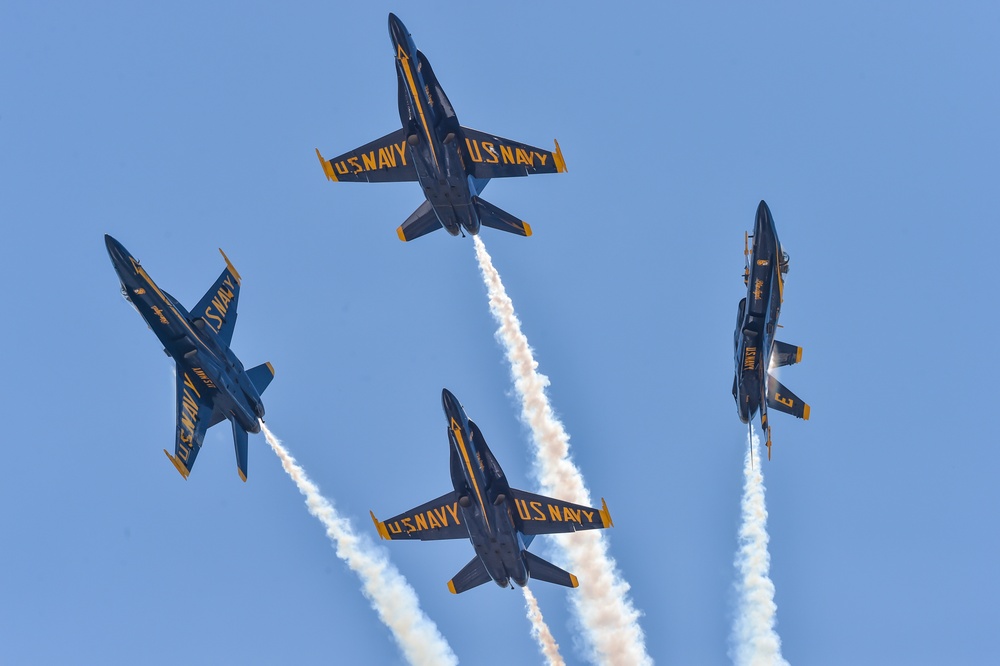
(390, 595)
(755, 642)
(540, 631)
(609, 620)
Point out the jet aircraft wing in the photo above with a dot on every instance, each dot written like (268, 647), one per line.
(218, 306)
(383, 160)
(195, 416)
(495, 157)
(544, 515)
(437, 519)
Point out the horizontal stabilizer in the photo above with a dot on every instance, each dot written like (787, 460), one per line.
(785, 354)
(472, 575)
(494, 218)
(423, 221)
(539, 569)
(780, 398)
(240, 438)
(261, 376)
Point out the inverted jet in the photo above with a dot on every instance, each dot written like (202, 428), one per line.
(211, 383)
(500, 521)
(452, 163)
(756, 349)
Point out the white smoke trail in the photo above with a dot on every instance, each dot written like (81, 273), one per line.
(540, 631)
(755, 642)
(602, 605)
(391, 596)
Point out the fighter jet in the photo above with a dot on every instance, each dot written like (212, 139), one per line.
(499, 520)
(452, 163)
(211, 382)
(756, 349)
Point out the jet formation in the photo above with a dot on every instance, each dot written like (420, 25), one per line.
(500, 521)
(452, 163)
(211, 382)
(756, 349)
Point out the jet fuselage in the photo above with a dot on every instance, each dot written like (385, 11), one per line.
(433, 137)
(484, 498)
(757, 318)
(208, 366)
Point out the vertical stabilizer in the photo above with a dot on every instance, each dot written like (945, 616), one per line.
(240, 438)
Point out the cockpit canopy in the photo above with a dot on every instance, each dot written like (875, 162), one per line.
(783, 262)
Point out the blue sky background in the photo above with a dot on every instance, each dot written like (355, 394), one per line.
(870, 129)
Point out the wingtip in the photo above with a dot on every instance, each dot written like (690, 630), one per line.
(527, 229)
(327, 167)
(451, 587)
(178, 464)
(574, 581)
(559, 159)
(805, 413)
(229, 264)
(270, 368)
(380, 527)
(399, 232)
(606, 515)
(242, 475)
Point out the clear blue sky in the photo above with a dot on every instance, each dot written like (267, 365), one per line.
(870, 129)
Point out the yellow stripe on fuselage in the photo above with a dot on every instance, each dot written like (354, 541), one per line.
(777, 271)
(457, 431)
(416, 100)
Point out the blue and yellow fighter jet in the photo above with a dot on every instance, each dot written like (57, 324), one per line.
(211, 382)
(756, 349)
(452, 163)
(499, 520)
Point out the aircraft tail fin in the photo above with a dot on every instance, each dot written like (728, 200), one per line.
(785, 354)
(260, 376)
(472, 575)
(780, 398)
(423, 221)
(539, 569)
(240, 438)
(494, 218)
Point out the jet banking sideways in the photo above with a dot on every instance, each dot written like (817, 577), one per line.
(499, 520)
(211, 382)
(756, 322)
(452, 163)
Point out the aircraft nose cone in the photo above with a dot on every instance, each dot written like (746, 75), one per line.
(397, 30)
(450, 402)
(119, 255)
(763, 212)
